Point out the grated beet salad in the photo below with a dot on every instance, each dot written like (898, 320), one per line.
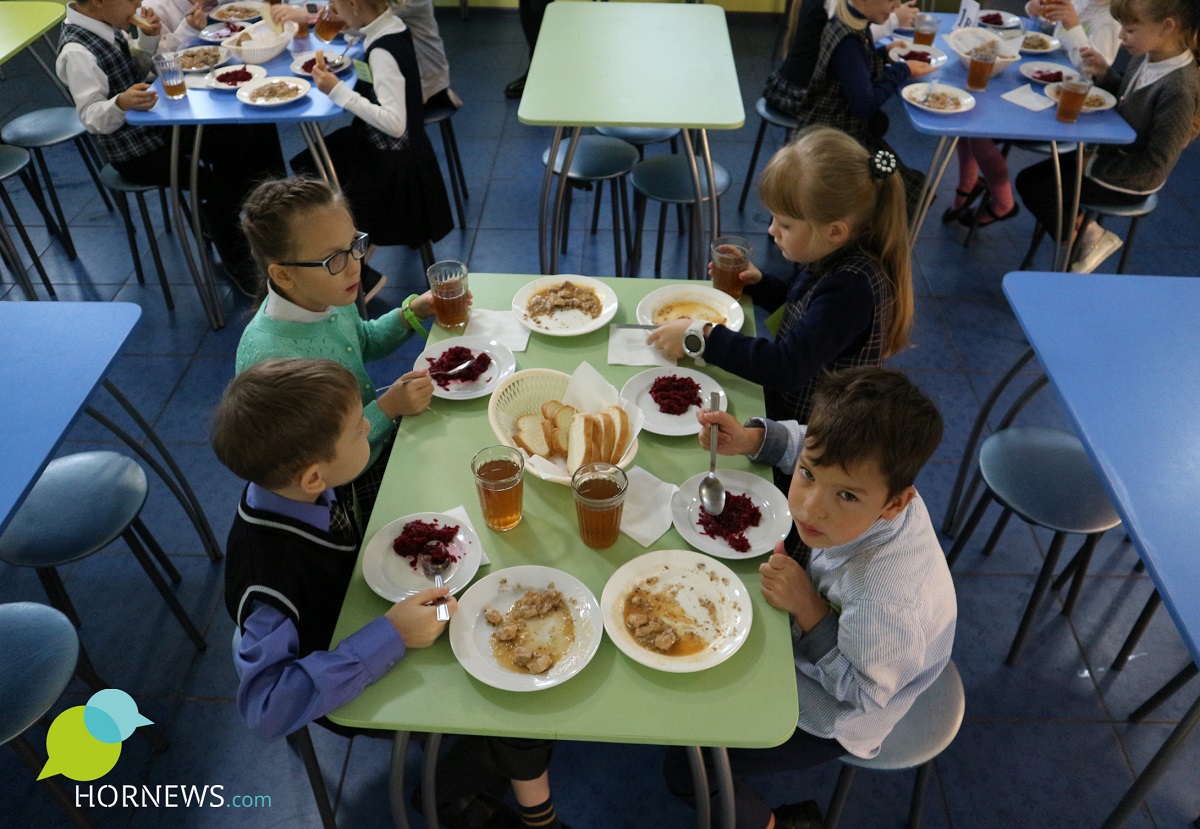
(923, 57)
(454, 357)
(738, 516)
(674, 394)
(234, 76)
(1048, 76)
(992, 19)
(425, 537)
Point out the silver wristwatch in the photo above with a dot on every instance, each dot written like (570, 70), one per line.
(693, 341)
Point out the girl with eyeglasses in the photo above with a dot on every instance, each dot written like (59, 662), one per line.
(306, 243)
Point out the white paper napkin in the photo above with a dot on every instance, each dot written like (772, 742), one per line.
(502, 326)
(1024, 96)
(647, 511)
(459, 514)
(627, 347)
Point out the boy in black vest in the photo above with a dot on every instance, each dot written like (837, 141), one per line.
(294, 429)
(106, 73)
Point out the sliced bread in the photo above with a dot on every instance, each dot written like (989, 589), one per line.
(621, 443)
(530, 435)
(563, 418)
(580, 442)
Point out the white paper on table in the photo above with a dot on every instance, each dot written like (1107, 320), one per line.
(588, 392)
(1024, 96)
(1010, 47)
(968, 13)
(459, 514)
(501, 326)
(627, 347)
(646, 514)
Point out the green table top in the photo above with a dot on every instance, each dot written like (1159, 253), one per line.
(633, 65)
(23, 22)
(749, 700)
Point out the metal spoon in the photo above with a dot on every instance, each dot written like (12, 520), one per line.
(434, 571)
(712, 491)
(442, 374)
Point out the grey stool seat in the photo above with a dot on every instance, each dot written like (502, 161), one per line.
(1045, 477)
(47, 128)
(80, 505)
(1134, 212)
(37, 661)
(599, 158)
(924, 732)
(15, 161)
(668, 179)
(1128, 211)
(458, 179)
(122, 187)
(769, 116)
(640, 136)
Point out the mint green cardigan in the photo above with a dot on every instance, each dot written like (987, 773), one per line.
(344, 338)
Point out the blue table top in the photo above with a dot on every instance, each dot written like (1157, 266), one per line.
(204, 106)
(993, 117)
(1122, 352)
(54, 355)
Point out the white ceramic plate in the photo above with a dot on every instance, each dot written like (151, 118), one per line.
(936, 56)
(393, 577)
(1030, 68)
(503, 364)
(637, 391)
(470, 633)
(567, 323)
(776, 520)
(1054, 43)
(915, 93)
(218, 32)
(245, 91)
(1109, 101)
(699, 578)
(302, 58)
(220, 13)
(1008, 20)
(256, 72)
(718, 303)
(223, 56)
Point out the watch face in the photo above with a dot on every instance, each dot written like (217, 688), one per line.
(693, 343)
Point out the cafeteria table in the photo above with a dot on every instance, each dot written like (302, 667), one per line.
(21, 23)
(1121, 350)
(748, 701)
(631, 65)
(993, 117)
(55, 355)
(208, 106)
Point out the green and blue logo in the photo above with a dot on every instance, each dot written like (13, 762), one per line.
(84, 742)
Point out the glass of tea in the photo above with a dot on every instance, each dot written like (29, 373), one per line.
(730, 256)
(1071, 96)
(169, 68)
(599, 497)
(451, 305)
(925, 29)
(328, 25)
(498, 480)
(980, 71)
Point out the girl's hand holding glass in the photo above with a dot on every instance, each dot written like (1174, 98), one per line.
(751, 276)
(409, 395)
(732, 437)
(1093, 63)
(906, 14)
(281, 13)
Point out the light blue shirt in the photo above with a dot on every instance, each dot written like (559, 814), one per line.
(892, 627)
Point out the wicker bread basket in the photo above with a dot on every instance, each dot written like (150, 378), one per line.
(524, 393)
(262, 49)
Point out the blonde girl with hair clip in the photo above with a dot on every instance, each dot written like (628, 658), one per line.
(384, 160)
(1158, 95)
(309, 249)
(838, 211)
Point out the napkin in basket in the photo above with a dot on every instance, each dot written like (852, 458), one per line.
(647, 511)
(501, 326)
(627, 347)
(1024, 96)
(459, 514)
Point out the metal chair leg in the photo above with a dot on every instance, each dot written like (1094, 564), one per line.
(25, 240)
(160, 585)
(26, 753)
(86, 152)
(158, 264)
(12, 257)
(762, 131)
(302, 741)
(59, 600)
(1039, 233)
(841, 793)
(917, 807)
(596, 207)
(1084, 558)
(1035, 600)
(1139, 627)
(131, 236)
(1133, 223)
(616, 217)
(65, 237)
(1164, 693)
(963, 537)
(662, 238)
(997, 531)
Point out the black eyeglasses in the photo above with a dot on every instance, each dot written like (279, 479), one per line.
(336, 263)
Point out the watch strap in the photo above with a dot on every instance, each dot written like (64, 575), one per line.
(410, 316)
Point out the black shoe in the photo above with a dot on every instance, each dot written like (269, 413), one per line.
(952, 213)
(514, 89)
(979, 218)
(806, 815)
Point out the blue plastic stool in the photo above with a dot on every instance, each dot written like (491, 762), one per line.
(120, 186)
(15, 161)
(667, 179)
(80, 505)
(770, 117)
(923, 733)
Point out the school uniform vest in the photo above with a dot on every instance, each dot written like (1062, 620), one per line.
(292, 566)
(796, 405)
(825, 101)
(129, 142)
(400, 46)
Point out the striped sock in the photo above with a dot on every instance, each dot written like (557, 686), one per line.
(541, 816)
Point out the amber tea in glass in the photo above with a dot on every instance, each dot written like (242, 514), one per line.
(599, 498)
(499, 480)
